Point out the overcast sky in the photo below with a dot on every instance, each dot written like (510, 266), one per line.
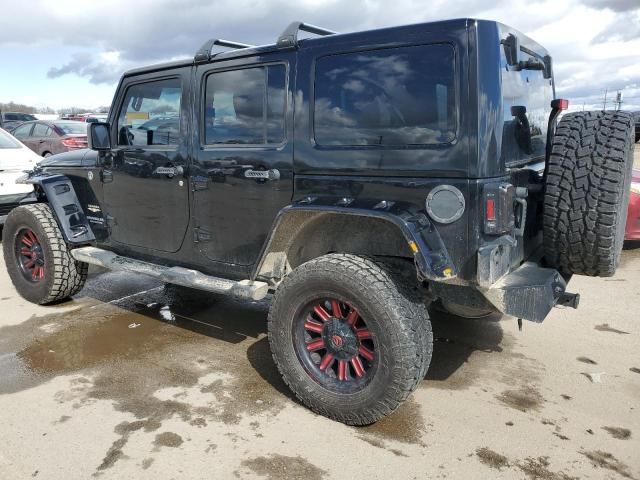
(72, 52)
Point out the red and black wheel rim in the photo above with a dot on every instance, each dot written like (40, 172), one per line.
(335, 345)
(30, 255)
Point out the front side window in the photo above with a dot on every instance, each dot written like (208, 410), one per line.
(245, 107)
(395, 96)
(150, 114)
(22, 131)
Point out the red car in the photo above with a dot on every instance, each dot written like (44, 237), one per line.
(632, 231)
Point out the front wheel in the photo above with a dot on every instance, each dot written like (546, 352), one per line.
(347, 339)
(37, 258)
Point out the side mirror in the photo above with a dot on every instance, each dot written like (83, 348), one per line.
(99, 138)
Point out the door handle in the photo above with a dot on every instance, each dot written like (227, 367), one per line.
(107, 176)
(273, 174)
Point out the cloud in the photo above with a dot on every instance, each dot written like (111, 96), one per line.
(593, 42)
(103, 68)
(615, 5)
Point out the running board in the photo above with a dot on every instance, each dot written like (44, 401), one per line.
(177, 275)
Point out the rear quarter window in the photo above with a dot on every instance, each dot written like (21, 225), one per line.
(386, 97)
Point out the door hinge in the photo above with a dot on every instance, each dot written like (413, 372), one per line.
(200, 235)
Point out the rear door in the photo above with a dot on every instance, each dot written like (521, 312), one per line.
(41, 138)
(243, 154)
(146, 196)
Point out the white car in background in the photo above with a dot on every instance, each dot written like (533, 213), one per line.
(15, 158)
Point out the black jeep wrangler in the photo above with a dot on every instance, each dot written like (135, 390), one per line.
(358, 177)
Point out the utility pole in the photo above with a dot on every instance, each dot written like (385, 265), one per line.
(604, 104)
(618, 100)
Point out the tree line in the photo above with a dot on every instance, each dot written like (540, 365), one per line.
(22, 108)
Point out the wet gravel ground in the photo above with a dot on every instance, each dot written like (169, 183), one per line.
(135, 379)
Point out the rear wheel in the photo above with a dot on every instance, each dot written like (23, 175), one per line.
(346, 339)
(587, 192)
(37, 258)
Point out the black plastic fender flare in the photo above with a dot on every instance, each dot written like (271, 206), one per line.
(430, 254)
(67, 210)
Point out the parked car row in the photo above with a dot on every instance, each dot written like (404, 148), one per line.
(15, 158)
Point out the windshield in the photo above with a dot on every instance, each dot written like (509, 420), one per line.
(72, 127)
(7, 141)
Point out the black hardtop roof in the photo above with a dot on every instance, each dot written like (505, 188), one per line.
(395, 31)
(306, 42)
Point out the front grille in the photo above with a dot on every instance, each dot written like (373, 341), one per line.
(5, 208)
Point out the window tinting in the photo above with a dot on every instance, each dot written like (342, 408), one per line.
(245, 106)
(22, 131)
(150, 114)
(526, 103)
(72, 127)
(396, 96)
(41, 130)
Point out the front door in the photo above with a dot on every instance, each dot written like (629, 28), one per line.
(243, 174)
(146, 196)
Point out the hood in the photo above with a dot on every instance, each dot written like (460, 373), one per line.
(74, 158)
(17, 159)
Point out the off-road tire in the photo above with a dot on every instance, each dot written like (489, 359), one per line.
(587, 192)
(401, 327)
(63, 275)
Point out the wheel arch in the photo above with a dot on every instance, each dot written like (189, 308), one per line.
(59, 193)
(303, 232)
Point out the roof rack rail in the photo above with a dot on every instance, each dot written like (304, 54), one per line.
(204, 52)
(289, 38)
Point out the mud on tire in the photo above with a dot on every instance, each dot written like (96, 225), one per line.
(398, 329)
(61, 276)
(587, 192)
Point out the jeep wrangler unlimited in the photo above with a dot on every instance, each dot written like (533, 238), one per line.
(358, 177)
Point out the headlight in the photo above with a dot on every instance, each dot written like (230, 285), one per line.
(635, 187)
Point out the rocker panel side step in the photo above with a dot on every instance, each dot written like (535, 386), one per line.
(178, 275)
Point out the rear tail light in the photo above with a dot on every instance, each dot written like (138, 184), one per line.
(491, 210)
(560, 104)
(75, 142)
(498, 199)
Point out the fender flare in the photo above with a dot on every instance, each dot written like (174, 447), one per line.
(429, 252)
(67, 210)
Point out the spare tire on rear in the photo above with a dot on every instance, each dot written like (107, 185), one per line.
(587, 192)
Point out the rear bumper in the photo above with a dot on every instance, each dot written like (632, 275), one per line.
(529, 292)
(632, 229)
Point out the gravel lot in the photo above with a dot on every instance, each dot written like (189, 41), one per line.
(132, 379)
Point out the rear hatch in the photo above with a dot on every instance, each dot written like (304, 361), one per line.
(527, 91)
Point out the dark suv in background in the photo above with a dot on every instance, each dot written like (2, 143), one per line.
(358, 178)
(11, 120)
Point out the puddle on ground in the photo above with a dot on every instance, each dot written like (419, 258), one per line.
(168, 439)
(405, 425)
(525, 398)
(600, 459)
(277, 467)
(491, 458)
(127, 366)
(619, 433)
